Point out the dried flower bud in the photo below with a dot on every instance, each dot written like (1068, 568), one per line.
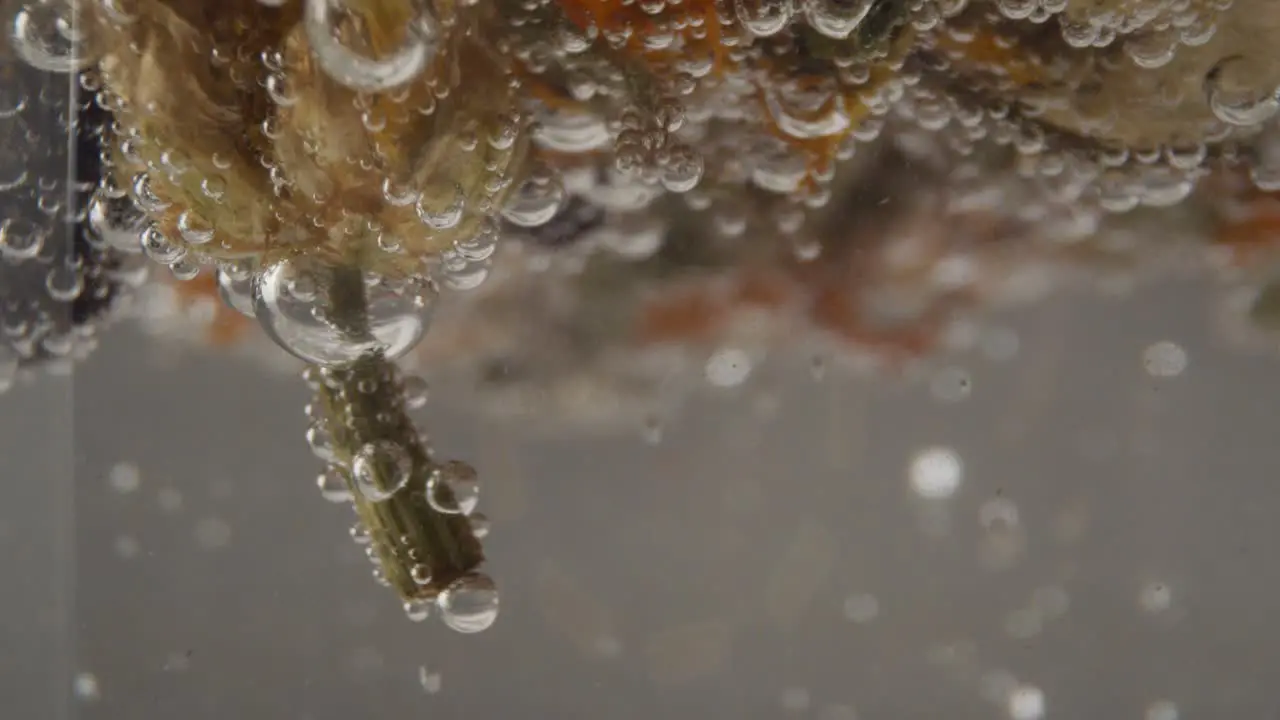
(238, 141)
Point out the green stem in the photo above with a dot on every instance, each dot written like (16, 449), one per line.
(363, 403)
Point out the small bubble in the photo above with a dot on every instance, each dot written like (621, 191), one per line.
(728, 367)
(936, 473)
(480, 525)
(430, 681)
(653, 431)
(470, 604)
(1238, 93)
(1026, 702)
(381, 469)
(417, 610)
(415, 392)
(124, 477)
(998, 514)
(333, 485)
(420, 574)
(861, 608)
(360, 534)
(1165, 359)
(1155, 597)
(320, 443)
(86, 687)
(817, 368)
(1162, 710)
(213, 533)
(454, 488)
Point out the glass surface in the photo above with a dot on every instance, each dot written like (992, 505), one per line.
(838, 359)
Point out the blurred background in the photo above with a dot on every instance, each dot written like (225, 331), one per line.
(1075, 524)
(976, 422)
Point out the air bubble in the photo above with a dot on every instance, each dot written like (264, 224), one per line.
(420, 574)
(728, 367)
(415, 392)
(358, 72)
(86, 687)
(535, 201)
(430, 682)
(48, 36)
(417, 610)
(333, 485)
(1026, 702)
(764, 17)
(469, 604)
(124, 477)
(936, 473)
(444, 218)
(1162, 710)
(454, 488)
(1235, 94)
(194, 230)
(117, 222)
(21, 239)
(1165, 359)
(1155, 597)
(836, 18)
(315, 325)
(381, 469)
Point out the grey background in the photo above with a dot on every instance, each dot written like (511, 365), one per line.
(705, 576)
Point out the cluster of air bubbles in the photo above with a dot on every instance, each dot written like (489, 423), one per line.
(385, 472)
(1152, 30)
(646, 147)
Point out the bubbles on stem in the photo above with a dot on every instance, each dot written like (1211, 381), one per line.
(469, 604)
(454, 488)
